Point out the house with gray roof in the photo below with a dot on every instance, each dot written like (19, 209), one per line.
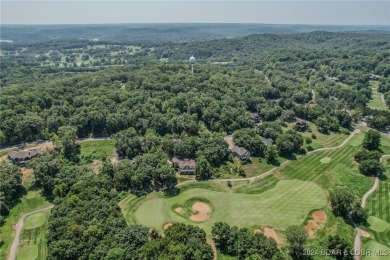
(185, 166)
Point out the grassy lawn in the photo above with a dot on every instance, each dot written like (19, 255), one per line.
(28, 252)
(378, 203)
(97, 150)
(330, 168)
(287, 203)
(29, 202)
(376, 102)
(33, 237)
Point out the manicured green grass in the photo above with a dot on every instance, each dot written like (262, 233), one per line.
(340, 170)
(29, 202)
(376, 248)
(288, 203)
(35, 220)
(258, 186)
(376, 102)
(377, 224)
(28, 252)
(34, 234)
(97, 150)
(378, 203)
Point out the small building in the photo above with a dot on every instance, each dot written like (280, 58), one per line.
(301, 126)
(241, 153)
(374, 77)
(256, 118)
(20, 157)
(267, 141)
(367, 118)
(185, 166)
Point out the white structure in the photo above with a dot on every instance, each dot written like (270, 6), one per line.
(192, 61)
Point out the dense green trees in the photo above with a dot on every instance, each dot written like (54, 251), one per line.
(10, 187)
(296, 237)
(128, 142)
(372, 140)
(242, 243)
(249, 139)
(289, 142)
(371, 167)
(342, 201)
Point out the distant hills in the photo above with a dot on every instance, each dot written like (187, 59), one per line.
(152, 33)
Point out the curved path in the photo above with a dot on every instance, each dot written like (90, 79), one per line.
(358, 243)
(267, 173)
(19, 226)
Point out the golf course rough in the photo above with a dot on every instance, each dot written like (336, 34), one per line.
(288, 203)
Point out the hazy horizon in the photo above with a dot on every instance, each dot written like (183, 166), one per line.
(328, 13)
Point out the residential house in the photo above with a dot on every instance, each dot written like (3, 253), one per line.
(241, 153)
(185, 166)
(20, 157)
(374, 77)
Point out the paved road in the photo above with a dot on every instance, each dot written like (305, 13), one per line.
(267, 173)
(19, 226)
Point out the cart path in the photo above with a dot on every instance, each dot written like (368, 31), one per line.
(19, 226)
(358, 242)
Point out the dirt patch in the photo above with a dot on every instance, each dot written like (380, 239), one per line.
(167, 225)
(26, 173)
(312, 224)
(201, 212)
(319, 216)
(270, 233)
(179, 209)
(364, 233)
(257, 231)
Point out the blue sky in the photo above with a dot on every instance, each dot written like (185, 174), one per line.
(185, 11)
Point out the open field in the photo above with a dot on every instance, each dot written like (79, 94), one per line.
(97, 150)
(32, 200)
(376, 101)
(288, 203)
(330, 168)
(33, 237)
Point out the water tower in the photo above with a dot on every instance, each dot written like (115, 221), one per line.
(192, 61)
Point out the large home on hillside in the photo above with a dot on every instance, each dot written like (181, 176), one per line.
(185, 166)
(241, 153)
(19, 157)
(301, 126)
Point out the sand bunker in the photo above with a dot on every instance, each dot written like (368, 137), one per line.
(319, 216)
(179, 210)
(201, 212)
(270, 233)
(167, 225)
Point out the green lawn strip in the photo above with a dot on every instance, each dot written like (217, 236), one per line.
(258, 186)
(29, 252)
(377, 224)
(376, 248)
(97, 150)
(288, 203)
(376, 101)
(29, 202)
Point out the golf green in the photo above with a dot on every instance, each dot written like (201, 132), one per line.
(376, 251)
(288, 203)
(35, 220)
